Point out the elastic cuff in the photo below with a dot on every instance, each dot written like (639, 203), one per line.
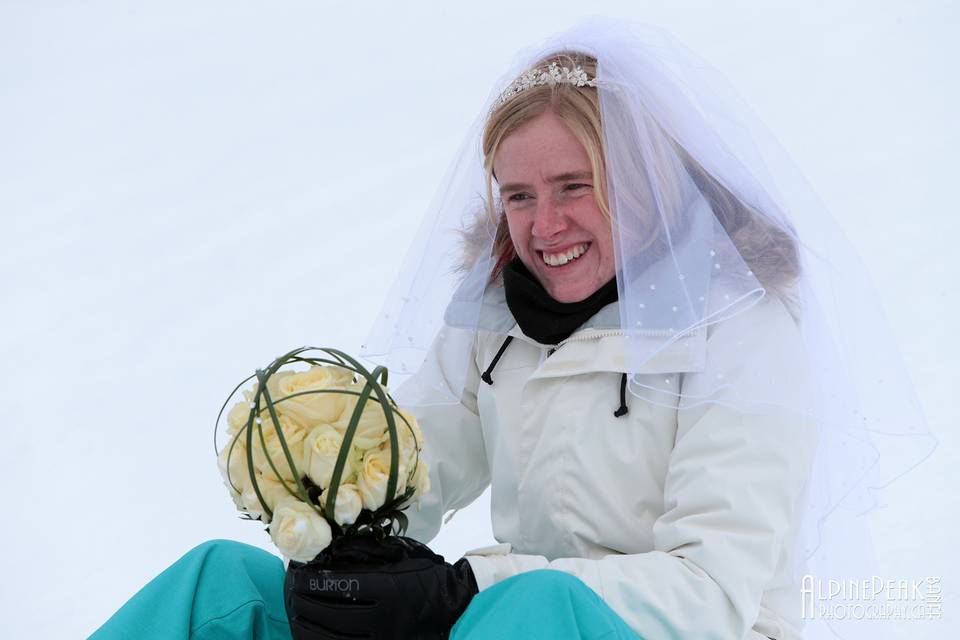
(482, 571)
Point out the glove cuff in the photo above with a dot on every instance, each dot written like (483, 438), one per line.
(466, 576)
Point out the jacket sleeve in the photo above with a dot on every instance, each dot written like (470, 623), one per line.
(453, 447)
(730, 495)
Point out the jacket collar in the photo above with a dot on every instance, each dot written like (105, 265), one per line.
(591, 350)
(599, 344)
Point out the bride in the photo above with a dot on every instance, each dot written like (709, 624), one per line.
(628, 315)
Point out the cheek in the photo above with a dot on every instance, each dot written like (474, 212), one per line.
(608, 257)
(518, 234)
(603, 237)
(592, 220)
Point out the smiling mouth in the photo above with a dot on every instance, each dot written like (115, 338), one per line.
(565, 259)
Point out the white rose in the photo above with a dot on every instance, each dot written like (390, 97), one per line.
(373, 476)
(233, 468)
(272, 491)
(238, 416)
(240, 412)
(298, 530)
(251, 504)
(293, 433)
(349, 504)
(411, 446)
(320, 451)
(314, 408)
(411, 438)
(372, 424)
(273, 387)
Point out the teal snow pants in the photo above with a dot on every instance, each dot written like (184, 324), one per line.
(227, 590)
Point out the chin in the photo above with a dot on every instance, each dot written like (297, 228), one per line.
(573, 282)
(571, 294)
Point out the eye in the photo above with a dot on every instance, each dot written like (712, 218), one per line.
(575, 186)
(517, 197)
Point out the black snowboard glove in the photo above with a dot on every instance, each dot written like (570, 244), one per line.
(387, 588)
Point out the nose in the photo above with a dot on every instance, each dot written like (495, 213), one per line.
(548, 220)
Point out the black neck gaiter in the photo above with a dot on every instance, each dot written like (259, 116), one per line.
(540, 316)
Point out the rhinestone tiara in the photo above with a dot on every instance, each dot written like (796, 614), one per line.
(552, 75)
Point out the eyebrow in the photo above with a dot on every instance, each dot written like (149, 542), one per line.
(563, 177)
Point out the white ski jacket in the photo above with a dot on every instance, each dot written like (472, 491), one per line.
(682, 521)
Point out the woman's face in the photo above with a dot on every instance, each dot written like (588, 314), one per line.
(558, 230)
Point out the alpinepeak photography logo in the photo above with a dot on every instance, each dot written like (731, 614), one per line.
(873, 598)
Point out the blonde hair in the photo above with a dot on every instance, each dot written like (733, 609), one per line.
(768, 249)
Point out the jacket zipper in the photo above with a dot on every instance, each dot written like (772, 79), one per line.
(590, 335)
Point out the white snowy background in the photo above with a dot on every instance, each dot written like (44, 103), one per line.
(188, 189)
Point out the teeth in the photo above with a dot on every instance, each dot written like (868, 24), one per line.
(558, 259)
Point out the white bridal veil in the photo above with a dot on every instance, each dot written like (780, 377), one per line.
(709, 216)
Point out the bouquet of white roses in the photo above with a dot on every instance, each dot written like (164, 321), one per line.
(321, 453)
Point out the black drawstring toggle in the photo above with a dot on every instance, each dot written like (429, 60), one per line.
(622, 410)
(485, 376)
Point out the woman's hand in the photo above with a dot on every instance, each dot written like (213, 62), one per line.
(363, 587)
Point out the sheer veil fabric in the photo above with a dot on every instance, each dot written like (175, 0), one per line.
(687, 163)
